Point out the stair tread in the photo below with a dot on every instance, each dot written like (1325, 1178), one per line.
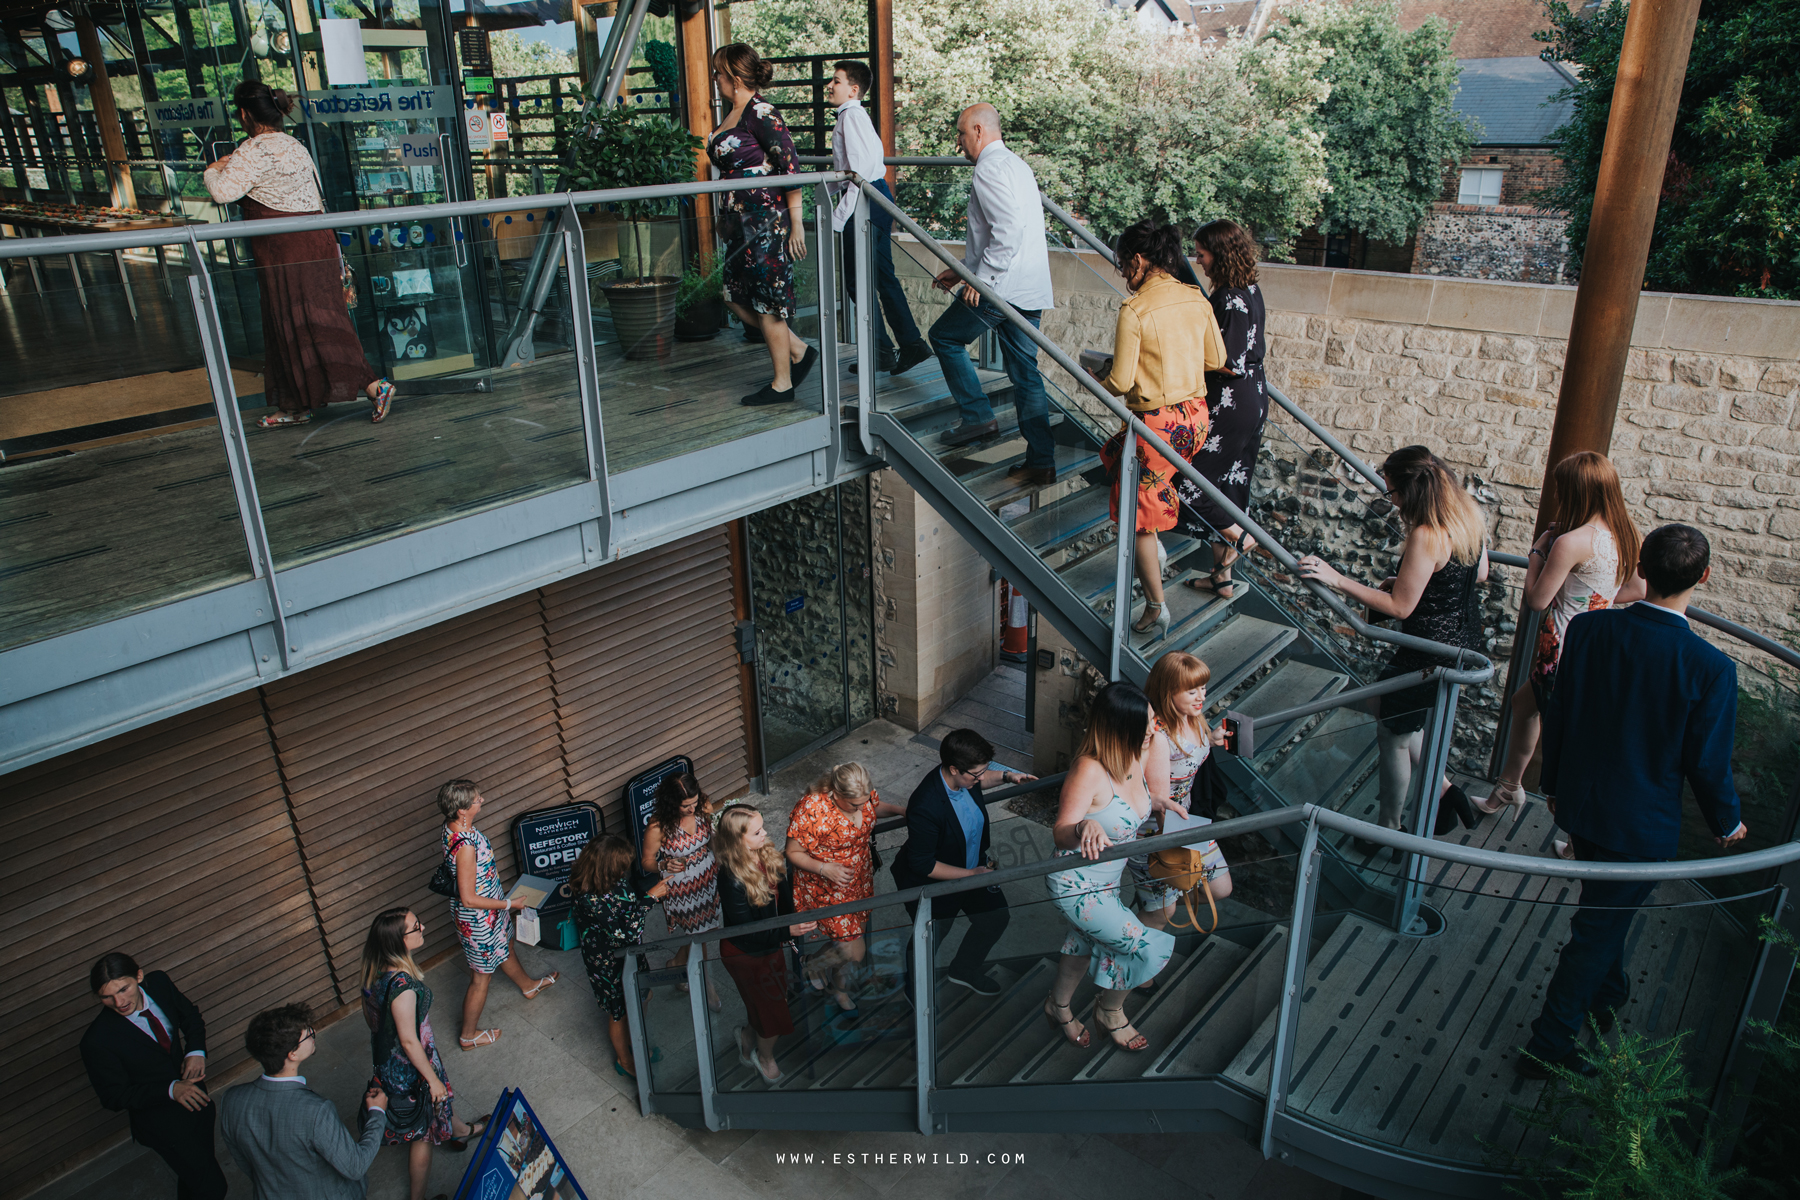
(991, 485)
(1179, 992)
(1093, 576)
(1016, 1046)
(1061, 1060)
(1211, 1039)
(1066, 518)
(1333, 755)
(1291, 684)
(1191, 613)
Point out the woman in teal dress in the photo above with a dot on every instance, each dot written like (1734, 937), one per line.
(1104, 801)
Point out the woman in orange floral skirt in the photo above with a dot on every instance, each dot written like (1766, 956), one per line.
(830, 842)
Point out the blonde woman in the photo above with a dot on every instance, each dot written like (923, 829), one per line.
(830, 841)
(754, 885)
(1104, 801)
(1433, 595)
(397, 1006)
(1586, 560)
(1177, 691)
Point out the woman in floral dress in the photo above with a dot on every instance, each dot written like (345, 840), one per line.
(1184, 741)
(1237, 400)
(397, 1006)
(609, 917)
(1105, 801)
(1167, 339)
(481, 910)
(830, 841)
(763, 229)
(678, 846)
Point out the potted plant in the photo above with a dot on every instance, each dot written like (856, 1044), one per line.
(700, 303)
(610, 148)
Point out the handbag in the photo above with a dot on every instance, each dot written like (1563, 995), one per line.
(346, 277)
(443, 880)
(1184, 868)
(408, 1112)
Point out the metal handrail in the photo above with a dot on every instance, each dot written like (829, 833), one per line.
(1148, 435)
(231, 230)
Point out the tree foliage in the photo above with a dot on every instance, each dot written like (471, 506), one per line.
(1728, 222)
(1389, 124)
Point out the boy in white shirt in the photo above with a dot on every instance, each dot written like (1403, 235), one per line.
(855, 146)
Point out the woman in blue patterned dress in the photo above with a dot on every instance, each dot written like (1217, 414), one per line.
(1104, 801)
(763, 229)
(1237, 400)
(397, 1006)
(481, 910)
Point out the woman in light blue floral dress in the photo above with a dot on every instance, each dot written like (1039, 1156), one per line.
(1104, 801)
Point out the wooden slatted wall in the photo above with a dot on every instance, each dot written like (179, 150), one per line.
(365, 743)
(644, 657)
(245, 847)
(173, 844)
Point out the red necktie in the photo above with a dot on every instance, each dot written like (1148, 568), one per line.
(156, 1027)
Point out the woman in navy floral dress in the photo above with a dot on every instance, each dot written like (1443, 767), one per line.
(609, 917)
(762, 229)
(1237, 400)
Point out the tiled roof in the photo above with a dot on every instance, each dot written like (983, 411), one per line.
(1483, 28)
(1505, 99)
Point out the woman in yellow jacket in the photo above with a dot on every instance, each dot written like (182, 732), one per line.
(1168, 338)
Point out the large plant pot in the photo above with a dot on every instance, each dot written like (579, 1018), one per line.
(701, 320)
(643, 316)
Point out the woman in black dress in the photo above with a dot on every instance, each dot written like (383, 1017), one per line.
(1237, 401)
(755, 885)
(1434, 596)
(763, 229)
(609, 917)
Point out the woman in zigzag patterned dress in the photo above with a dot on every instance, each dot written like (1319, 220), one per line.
(678, 844)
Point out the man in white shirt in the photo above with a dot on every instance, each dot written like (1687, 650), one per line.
(1007, 251)
(855, 146)
(287, 1137)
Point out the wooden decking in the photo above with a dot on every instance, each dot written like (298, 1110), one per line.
(1412, 1041)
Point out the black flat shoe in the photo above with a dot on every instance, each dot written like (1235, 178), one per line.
(767, 395)
(804, 367)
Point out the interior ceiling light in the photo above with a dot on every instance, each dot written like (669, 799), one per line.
(77, 68)
(281, 41)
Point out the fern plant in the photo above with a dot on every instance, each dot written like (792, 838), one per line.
(1631, 1131)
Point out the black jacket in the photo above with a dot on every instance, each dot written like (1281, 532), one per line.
(129, 1071)
(934, 834)
(734, 902)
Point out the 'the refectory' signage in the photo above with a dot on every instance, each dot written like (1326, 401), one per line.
(381, 104)
(201, 111)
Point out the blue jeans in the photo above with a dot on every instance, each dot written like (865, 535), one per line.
(1590, 974)
(950, 338)
(890, 301)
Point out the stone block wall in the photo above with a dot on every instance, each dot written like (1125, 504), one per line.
(1527, 245)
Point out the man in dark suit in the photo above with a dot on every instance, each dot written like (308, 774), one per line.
(146, 1055)
(947, 838)
(1641, 703)
(287, 1137)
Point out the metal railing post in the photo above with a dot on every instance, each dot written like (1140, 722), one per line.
(829, 400)
(587, 370)
(1121, 629)
(1427, 793)
(1287, 1028)
(924, 1022)
(640, 1042)
(237, 457)
(703, 1051)
(866, 362)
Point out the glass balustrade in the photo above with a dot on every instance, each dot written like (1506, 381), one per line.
(115, 493)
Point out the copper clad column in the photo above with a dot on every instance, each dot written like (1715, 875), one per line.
(693, 38)
(1652, 66)
(881, 61)
(106, 113)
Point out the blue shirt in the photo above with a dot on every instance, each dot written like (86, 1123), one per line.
(972, 818)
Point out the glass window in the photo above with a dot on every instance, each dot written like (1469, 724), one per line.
(1480, 185)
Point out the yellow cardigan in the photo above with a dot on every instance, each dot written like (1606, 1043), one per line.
(1167, 340)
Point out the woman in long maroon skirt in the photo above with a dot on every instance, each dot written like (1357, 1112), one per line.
(311, 353)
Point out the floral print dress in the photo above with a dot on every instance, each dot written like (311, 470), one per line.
(1237, 405)
(1184, 765)
(394, 1071)
(608, 922)
(753, 224)
(485, 933)
(1590, 587)
(829, 834)
(1122, 951)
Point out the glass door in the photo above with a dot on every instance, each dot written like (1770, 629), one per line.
(811, 599)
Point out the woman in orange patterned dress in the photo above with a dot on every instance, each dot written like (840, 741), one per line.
(830, 839)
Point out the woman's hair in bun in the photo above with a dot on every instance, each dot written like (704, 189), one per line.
(266, 106)
(744, 64)
(1159, 244)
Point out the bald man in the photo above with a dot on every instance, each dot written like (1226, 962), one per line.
(1006, 250)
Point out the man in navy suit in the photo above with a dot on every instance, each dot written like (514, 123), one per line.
(947, 838)
(146, 1055)
(1641, 704)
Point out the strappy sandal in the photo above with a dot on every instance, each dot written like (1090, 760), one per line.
(476, 1129)
(1136, 1043)
(1061, 1024)
(1504, 793)
(276, 420)
(383, 399)
(546, 981)
(485, 1037)
(1218, 582)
